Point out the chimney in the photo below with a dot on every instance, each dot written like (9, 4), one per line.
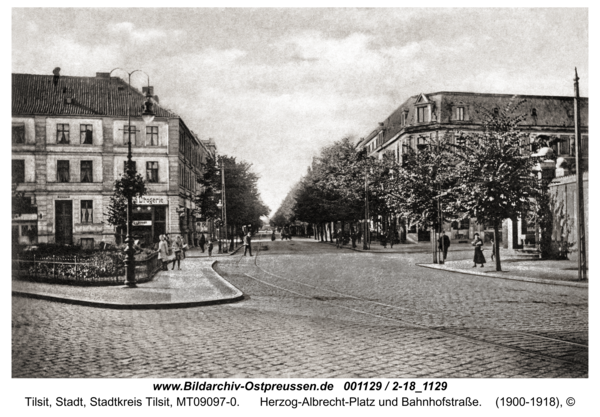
(103, 75)
(56, 73)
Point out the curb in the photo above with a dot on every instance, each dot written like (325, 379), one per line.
(509, 277)
(228, 254)
(239, 295)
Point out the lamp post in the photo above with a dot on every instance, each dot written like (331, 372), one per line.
(220, 206)
(148, 116)
(224, 209)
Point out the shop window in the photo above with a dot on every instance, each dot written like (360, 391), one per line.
(86, 171)
(62, 170)
(87, 211)
(152, 135)
(18, 171)
(18, 133)
(62, 133)
(152, 171)
(86, 134)
(87, 243)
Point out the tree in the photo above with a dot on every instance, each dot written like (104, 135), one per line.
(495, 180)
(125, 186)
(244, 205)
(420, 188)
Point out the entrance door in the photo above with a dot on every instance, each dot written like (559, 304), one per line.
(64, 222)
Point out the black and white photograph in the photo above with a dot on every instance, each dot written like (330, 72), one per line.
(325, 209)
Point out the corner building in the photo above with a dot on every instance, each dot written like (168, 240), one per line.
(69, 144)
(425, 117)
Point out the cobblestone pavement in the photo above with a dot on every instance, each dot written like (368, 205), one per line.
(315, 311)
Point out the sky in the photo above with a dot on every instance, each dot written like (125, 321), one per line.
(274, 86)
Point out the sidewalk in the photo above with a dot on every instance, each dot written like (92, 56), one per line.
(551, 272)
(195, 284)
(541, 271)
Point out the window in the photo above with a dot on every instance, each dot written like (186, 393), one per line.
(152, 135)
(126, 130)
(86, 134)
(152, 171)
(87, 211)
(460, 113)
(62, 133)
(86, 171)
(496, 111)
(18, 170)
(18, 133)
(404, 118)
(62, 169)
(125, 166)
(564, 145)
(465, 223)
(87, 243)
(584, 145)
(420, 114)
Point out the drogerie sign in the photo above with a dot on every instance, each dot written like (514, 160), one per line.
(150, 201)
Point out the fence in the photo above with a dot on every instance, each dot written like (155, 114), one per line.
(102, 268)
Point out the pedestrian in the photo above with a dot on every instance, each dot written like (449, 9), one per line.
(248, 244)
(184, 248)
(273, 236)
(391, 238)
(177, 247)
(202, 242)
(359, 236)
(493, 248)
(338, 238)
(443, 245)
(478, 256)
(353, 238)
(210, 247)
(163, 252)
(384, 241)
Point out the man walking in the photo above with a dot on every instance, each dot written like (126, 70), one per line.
(202, 242)
(444, 244)
(248, 244)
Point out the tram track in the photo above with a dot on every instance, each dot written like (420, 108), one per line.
(543, 346)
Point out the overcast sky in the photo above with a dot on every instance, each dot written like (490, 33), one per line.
(273, 86)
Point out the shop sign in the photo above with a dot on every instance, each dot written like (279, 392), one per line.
(151, 201)
(142, 223)
(63, 196)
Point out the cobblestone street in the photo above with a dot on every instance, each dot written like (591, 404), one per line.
(312, 310)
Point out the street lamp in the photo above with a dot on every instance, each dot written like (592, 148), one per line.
(148, 116)
(220, 207)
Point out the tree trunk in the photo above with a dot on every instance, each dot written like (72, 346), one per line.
(497, 247)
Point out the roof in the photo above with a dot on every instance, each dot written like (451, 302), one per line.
(91, 96)
(551, 111)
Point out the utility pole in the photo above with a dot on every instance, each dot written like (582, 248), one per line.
(581, 247)
(366, 212)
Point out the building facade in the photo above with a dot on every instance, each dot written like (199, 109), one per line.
(69, 144)
(425, 117)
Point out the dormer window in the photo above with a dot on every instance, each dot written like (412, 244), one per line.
(496, 111)
(421, 114)
(404, 118)
(460, 113)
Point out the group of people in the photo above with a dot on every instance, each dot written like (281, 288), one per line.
(202, 242)
(171, 251)
(478, 258)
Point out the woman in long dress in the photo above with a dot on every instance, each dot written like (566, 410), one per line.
(478, 256)
(163, 252)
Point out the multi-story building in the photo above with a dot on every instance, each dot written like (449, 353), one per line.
(69, 144)
(428, 116)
